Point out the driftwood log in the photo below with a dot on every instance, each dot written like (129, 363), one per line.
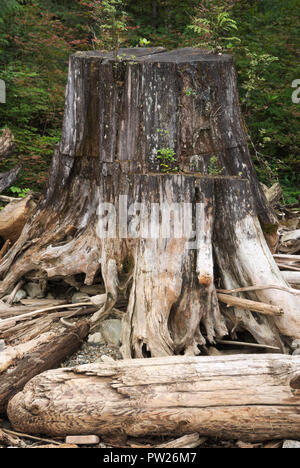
(119, 116)
(14, 216)
(241, 397)
(19, 364)
(7, 145)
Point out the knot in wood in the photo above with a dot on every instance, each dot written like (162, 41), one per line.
(205, 279)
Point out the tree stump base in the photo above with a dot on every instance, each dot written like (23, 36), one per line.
(119, 115)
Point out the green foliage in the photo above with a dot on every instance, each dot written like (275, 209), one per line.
(37, 37)
(108, 23)
(190, 92)
(35, 46)
(167, 157)
(214, 167)
(267, 62)
(213, 27)
(21, 193)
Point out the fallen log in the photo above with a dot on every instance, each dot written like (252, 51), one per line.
(26, 316)
(273, 194)
(290, 242)
(45, 356)
(8, 311)
(286, 257)
(12, 353)
(259, 307)
(292, 277)
(14, 216)
(241, 397)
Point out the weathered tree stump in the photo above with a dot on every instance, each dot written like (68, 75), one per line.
(235, 397)
(119, 115)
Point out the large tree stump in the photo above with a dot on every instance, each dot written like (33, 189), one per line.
(235, 397)
(118, 116)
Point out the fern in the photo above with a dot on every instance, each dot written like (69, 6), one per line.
(9, 7)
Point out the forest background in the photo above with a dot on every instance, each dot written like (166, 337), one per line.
(37, 37)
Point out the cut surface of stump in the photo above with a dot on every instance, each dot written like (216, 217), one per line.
(106, 176)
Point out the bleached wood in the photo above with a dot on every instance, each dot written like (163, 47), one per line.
(245, 397)
(12, 353)
(44, 354)
(18, 318)
(14, 216)
(258, 287)
(292, 277)
(260, 307)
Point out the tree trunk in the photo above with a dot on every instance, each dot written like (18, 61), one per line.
(106, 173)
(241, 397)
(40, 355)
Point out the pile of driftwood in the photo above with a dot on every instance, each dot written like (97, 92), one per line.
(245, 397)
(287, 246)
(125, 403)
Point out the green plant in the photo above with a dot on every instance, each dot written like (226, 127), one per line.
(167, 157)
(21, 193)
(255, 74)
(190, 92)
(213, 26)
(143, 42)
(214, 166)
(109, 23)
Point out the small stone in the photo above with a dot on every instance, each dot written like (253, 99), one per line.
(91, 290)
(291, 444)
(106, 358)
(56, 446)
(212, 351)
(83, 440)
(111, 331)
(98, 300)
(21, 294)
(96, 338)
(34, 291)
(80, 297)
(295, 344)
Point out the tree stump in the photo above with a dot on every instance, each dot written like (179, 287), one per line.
(106, 182)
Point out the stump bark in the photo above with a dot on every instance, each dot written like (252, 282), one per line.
(106, 176)
(240, 397)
